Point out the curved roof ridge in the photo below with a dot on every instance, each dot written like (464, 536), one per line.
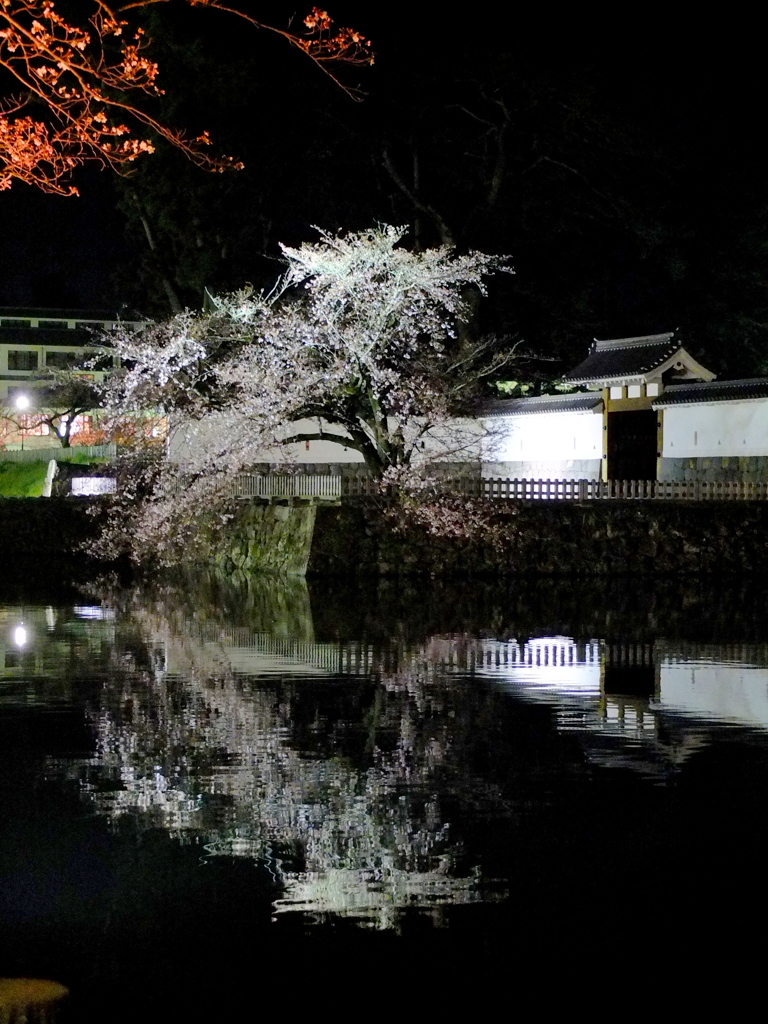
(575, 401)
(691, 392)
(637, 342)
(695, 385)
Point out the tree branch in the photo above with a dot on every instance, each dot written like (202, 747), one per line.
(446, 235)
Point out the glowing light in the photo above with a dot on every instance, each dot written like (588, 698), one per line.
(22, 402)
(20, 636)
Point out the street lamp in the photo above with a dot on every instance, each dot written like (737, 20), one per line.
(22, 404)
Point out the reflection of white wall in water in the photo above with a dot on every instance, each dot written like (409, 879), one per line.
(543, 664)
(547, 437)
(375, 892)
(722, 428)
(729, 693)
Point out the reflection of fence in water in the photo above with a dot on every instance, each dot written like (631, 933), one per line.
(596, 685)
(455, 652)
(342, 659)
(360, 657)
(473, 654)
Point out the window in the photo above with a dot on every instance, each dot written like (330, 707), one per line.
(79, 424)
(31, 425)
(63, 360)
(22, 359)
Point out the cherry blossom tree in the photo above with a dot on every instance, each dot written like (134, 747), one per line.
(76, 90)
(357, 344)
(62, 402)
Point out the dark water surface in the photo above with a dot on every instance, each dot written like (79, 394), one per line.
(358, 799)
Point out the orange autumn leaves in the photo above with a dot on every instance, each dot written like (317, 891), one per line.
(74, 93)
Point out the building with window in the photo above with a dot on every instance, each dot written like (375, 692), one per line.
(34, 343)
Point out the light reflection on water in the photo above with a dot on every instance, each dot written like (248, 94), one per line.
(349, 768)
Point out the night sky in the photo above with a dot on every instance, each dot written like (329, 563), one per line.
(632, 195)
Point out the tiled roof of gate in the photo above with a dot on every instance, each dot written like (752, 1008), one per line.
(625, 357)
(721, 391)
(541, 403)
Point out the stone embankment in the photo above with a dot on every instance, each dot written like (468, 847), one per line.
(356, 539)
(552, 538)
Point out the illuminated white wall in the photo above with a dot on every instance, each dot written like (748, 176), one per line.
(719, 429)
(545, 441)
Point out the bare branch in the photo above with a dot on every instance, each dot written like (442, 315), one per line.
(446, 235)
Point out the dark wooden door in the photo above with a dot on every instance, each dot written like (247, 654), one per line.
(632, 445)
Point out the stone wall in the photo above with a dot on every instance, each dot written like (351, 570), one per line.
(744, 467)
(262, 537)
(48, 538)
(596, 538)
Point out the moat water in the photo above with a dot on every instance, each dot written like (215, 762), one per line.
(213, 796)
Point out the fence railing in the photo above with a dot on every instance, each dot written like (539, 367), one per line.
(285, 485)
(334, 486)
(583, 490)
(93, 451)
(596, 490)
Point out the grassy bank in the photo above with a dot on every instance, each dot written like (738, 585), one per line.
(22, 479)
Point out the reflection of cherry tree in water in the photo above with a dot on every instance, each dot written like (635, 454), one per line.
(334, 783)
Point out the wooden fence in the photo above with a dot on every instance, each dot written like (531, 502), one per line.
(597, 490)
(98, 451)
(332, 487)
(285, 485)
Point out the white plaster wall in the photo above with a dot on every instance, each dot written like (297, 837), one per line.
(545, 438)
(214, 430)
(722, 428)
(458, 441)
(314, 451)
